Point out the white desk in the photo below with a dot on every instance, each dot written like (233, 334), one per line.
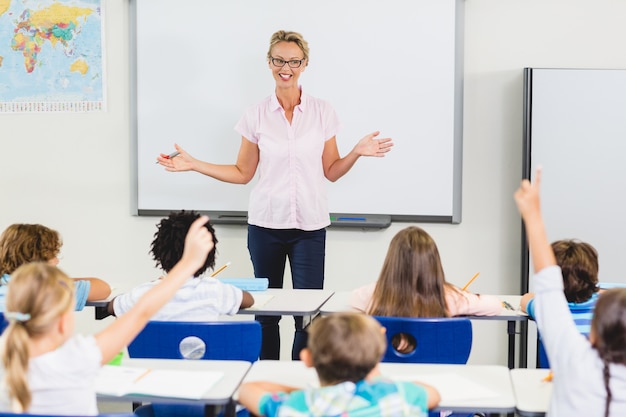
(288, 302)
(492, 378)
(340, 301)
(220, 394)
(532, 392)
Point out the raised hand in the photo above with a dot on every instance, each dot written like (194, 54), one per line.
(198, 242)
(527, 196)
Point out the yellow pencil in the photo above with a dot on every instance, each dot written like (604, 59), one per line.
(220, 269)
(470, 281)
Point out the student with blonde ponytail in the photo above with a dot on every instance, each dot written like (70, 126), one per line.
(46, 369)
(589, 375)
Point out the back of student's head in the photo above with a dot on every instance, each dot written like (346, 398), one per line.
(579, 264)
(22, 243)
(345, 346)
(411, 282)
(169, 241)
(608, 333)
(37, 296)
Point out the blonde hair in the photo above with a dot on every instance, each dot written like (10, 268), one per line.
(411, 282)
(23, 243)
(38, 294)
(286, 36)
(345, 346)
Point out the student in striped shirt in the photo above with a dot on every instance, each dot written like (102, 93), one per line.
(579, 263)
(344, 349)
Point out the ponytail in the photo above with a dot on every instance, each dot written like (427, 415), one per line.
(15, 355)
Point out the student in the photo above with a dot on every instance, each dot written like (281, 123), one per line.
(412, 284)
(23, 243)
(579, 267)
(48, 370)
(589, 375)
(345, 350)
(201, 298)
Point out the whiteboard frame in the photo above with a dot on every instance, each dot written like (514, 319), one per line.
(375, 220)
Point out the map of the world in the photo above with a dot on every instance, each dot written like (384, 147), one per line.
(51, 56)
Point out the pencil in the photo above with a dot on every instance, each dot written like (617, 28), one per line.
(470, 281)
(220, 269)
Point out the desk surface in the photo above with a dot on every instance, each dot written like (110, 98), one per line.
(221, 393)
(493, 380)
(340, 301)
(289, 302)
(532, 392)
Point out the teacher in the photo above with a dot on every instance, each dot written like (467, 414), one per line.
(290, 138)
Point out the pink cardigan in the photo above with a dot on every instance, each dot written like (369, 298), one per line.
(459, 303)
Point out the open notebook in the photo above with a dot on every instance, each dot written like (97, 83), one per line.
(123, 380)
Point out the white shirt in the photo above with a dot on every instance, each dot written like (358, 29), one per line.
(62, 381)
(578, 384)
(199, 299)
(291, 189)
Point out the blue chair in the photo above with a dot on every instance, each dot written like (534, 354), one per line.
(437, 340)
(3, 323)
(225, 340)
(433, 340)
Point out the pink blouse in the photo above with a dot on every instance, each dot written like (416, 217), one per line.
(291, 189)
(459, 303)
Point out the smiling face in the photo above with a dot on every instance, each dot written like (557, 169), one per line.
(285, 76)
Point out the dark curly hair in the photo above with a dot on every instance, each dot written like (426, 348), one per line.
(169, 241)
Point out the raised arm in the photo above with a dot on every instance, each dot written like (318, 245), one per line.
(336, 167)
(239, 173)
(121, 332)
(527, 199)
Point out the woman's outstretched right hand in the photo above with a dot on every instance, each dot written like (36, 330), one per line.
(181, 162)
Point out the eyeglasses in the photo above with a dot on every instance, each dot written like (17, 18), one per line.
(294, 63)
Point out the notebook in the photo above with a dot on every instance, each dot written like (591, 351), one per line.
(124, 380)
(247, 284)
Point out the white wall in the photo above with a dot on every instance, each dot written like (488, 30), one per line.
(71, 172)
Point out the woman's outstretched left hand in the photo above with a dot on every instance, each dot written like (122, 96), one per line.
(368, 146)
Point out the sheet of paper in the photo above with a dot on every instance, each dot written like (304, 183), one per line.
(121, 380)
(452, 387)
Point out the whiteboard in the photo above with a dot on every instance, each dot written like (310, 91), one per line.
(388, 65)
(576, 130)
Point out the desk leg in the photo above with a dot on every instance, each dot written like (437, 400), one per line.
(230, 409)
(511, 331)
(101, 313)
(210, 411)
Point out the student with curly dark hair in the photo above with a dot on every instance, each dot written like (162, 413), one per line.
(201, 298)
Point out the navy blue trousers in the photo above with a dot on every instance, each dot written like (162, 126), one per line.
(269, 249)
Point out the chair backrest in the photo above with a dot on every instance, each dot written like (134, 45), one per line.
(227, 340)
(437, 340)
(3, 322)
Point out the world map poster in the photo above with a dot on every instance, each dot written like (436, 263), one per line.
(51, 57)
